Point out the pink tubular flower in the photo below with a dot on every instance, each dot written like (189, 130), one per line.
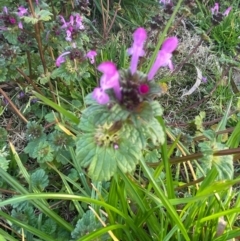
(139, 37)
(22, 11)
(61, 58)
(91, 56)
(20, 25)
(227, 11)
(78, 21)
(71, 20)
(109, 80)
(215, 9)
(64, 23)
(100, 96)
(5, 10)
(69, 35)
(164, 56)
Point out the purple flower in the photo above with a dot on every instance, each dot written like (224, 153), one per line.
(12, 20)
(164, 56)
(71, 20)
(215, 9)
(139, 37)
(164, 2)
(20, 25)
(61, 58)
(109, 80)
(64, 23)
(69, 35)
(79, 24)
(5, 10)
(34, 100)
(91, 56)
(21, 11)
(100, 96)
(227, 11)
(21, 95)
(204, 79)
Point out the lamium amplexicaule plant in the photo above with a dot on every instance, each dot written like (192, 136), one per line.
(121, 118)
(101, 161)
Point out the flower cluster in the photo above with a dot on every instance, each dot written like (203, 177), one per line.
(74, 25)
(131, 87)
(75, 53)
(218, 16)
(10, 19)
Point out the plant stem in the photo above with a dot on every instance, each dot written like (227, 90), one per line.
(30, 82)
(15, 109)
(40, 49)
(176, 160)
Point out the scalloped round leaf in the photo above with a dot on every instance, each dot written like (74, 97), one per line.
(92, 116)
(134, 135)
(156, 108)
(39, 179)
(223, 164)
(87, 123)
(142, 114)
(155, 132)
(85, 149)
(103, 165)
(127, 156)
(117, 113)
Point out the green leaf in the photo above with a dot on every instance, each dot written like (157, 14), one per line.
(39, 179)
(152, 156)
(65, 72)
(134, 135)
(11, 36)
(155, 132)
(127, 156)
(102, 161)
(142, 114)
(31, 146)
(43, 152)
(49, 227)
(199, 121)
(103, 165)
(86, 149)
(3, 74)
(223, 164)
(3, 137)
(87, 224)
(4, 162)
(31, 20)
(44, 14)
(26, 216)
(156, 108)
